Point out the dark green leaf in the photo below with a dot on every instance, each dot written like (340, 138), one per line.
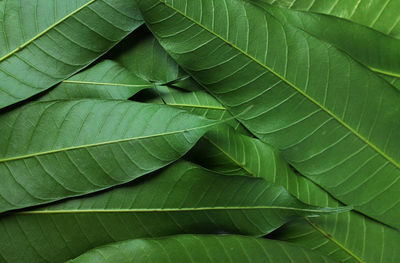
(105, 80)
(348, 237)
(381, 15)
(334, 120)
(43, 45)
(202, 249)
(184, 198)
(54, 150)
(378, 52)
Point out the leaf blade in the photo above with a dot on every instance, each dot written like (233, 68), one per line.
(43, 55)
(71, 148)
(288, 99)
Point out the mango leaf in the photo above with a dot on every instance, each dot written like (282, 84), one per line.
(141, 54)
(34, 39)
(301, 101)
(184, 198)
(196, 102)
(378, 52)
(337, 235)
(53, 150)
(381, 15)
(202, 249)
(105, 80)
(225, 151)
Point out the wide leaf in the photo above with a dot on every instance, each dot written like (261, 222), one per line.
(184, 198)
(54, 150)
(302, 101)
(202, 249)
(41, 45)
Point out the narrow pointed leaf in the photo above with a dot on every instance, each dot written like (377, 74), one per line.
(184, 198)
(43, 44)
(301, 101)
(105, 80)
(53, 150)
(202, 249)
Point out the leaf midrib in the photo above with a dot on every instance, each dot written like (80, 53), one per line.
(45, 31)
(331, 238)
(104, 143)
(373, 146)
(139, 210)
(106, 84)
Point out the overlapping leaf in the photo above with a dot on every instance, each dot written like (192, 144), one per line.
(375, 50)
(302, 101)
(53, 150)
(105, 80)
(202, 249)
(184, 198)
(338, 236)
(45, 42)
(381, 15)
(226, 151)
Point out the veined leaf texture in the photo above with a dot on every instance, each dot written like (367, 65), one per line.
(342, 140)
(38, 51)
(199, 131)
(163, 204)
(71, 148)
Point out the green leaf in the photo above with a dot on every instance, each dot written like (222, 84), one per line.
(105, 80)
(378, 52)
(202, 249)
(184, 198)
(338, 236)
(141, 53)
(41, 45)
(196, 102)
(53, 150)
(381, 15)
(305, 96)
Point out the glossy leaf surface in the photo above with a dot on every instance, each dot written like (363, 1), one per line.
(303, 103)
(53, 150)
(35, 36)
(202, 248)
(184, 198)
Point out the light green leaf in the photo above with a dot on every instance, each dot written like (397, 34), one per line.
(45, 42)
(53, 150)
(381, 15)
(184, 198)
(202, 249)
(105, 80)
(348, 237)
(305, 96)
